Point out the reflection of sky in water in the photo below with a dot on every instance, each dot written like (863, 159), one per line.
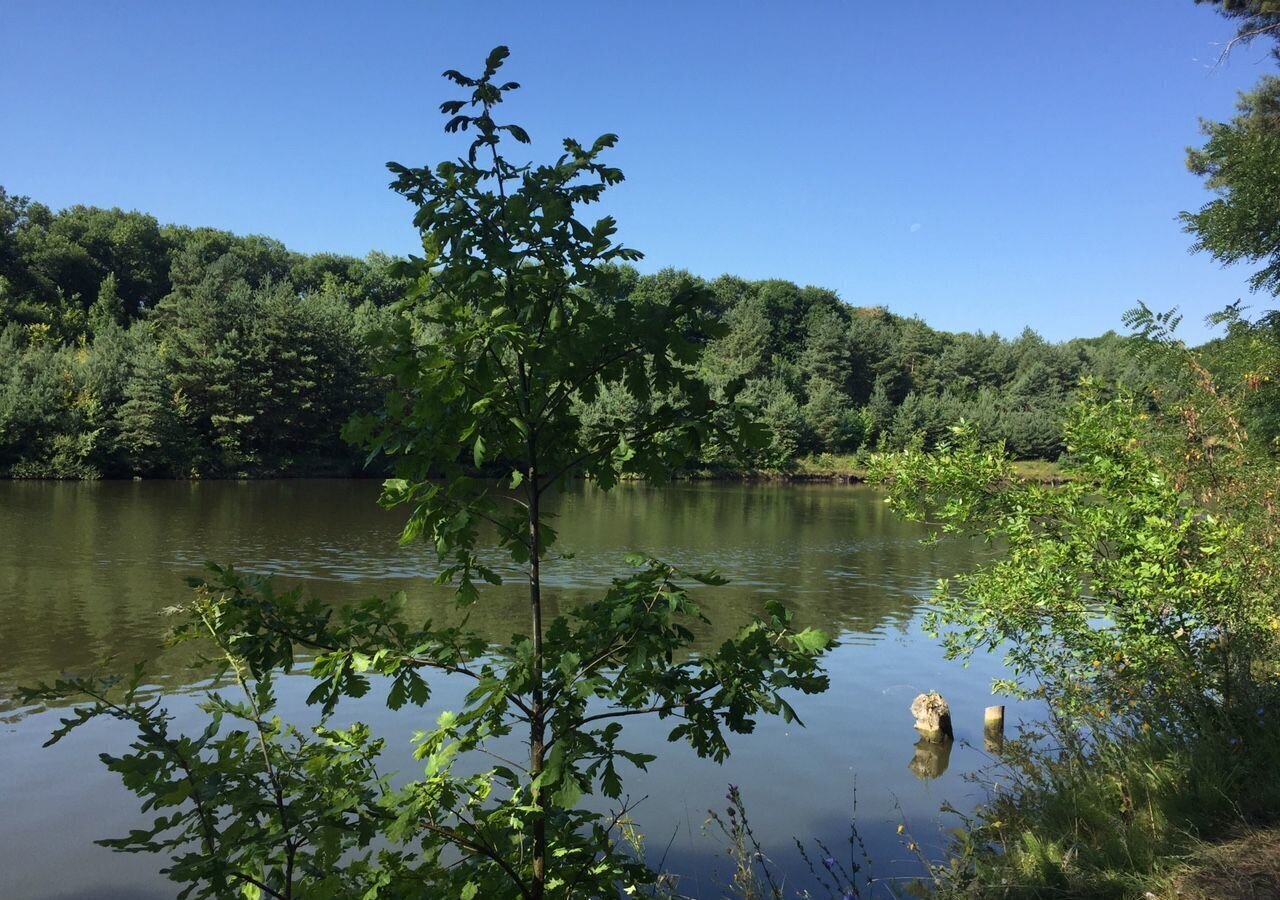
(99, 561)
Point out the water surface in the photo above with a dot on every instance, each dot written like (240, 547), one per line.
(86, 570)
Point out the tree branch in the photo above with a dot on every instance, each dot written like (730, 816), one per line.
(483, 849)
(1244, 37)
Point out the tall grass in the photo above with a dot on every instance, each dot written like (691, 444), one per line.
(1113, 815)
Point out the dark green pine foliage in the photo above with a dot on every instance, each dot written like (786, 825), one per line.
(153, 440)
(206, 339)
(1239, 162)
(825, 352)
(107, 311)
(306, 373)
(1257, 18)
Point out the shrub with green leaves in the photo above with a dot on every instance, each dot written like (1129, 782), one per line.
(1140, 590)
(1138, 600)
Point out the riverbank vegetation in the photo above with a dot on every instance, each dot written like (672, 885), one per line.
(1137, 602)
(1134, 601)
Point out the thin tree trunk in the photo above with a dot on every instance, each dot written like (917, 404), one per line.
(537, 725)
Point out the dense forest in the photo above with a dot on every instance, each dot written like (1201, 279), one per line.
(128, 347)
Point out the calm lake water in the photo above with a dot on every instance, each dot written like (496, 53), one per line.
(86, 568)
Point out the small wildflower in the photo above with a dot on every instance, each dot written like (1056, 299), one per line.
(1234, 741)
(901, 828)
(913, 846)
(1261, 712)
(829, 862)
(1146, 727)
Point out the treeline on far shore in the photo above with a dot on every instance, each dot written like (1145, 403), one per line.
(128, 347)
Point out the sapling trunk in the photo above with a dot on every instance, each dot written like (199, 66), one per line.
(537, 734)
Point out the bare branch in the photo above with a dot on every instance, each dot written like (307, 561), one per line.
(1245, 37)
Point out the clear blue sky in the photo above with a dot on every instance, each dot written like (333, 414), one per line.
(986, 165)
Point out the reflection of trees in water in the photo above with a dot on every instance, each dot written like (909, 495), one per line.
(87, 568)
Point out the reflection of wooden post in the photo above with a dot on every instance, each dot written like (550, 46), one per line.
(931, 759)
(993, 728)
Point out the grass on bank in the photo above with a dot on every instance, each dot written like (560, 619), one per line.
(1134, 817)
(1038, 470)
(1244, 868)
(852, 467)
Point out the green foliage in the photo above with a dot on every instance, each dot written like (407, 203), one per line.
(249, 804)
(1238, 162)
(107, 311)
(153, 440)
(1134, 591)
(1113, 818)
(54, 419)
(222, 364)
(830, 417)
(1246, 365)
(515, 323)
(825, 352)
(781, 413)
(1137, 600)
(743, 351)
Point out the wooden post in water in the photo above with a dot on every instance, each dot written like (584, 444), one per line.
(993, 728)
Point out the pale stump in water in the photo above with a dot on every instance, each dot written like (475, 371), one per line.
(933, 717)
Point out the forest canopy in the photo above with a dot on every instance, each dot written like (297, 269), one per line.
(128, 347)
